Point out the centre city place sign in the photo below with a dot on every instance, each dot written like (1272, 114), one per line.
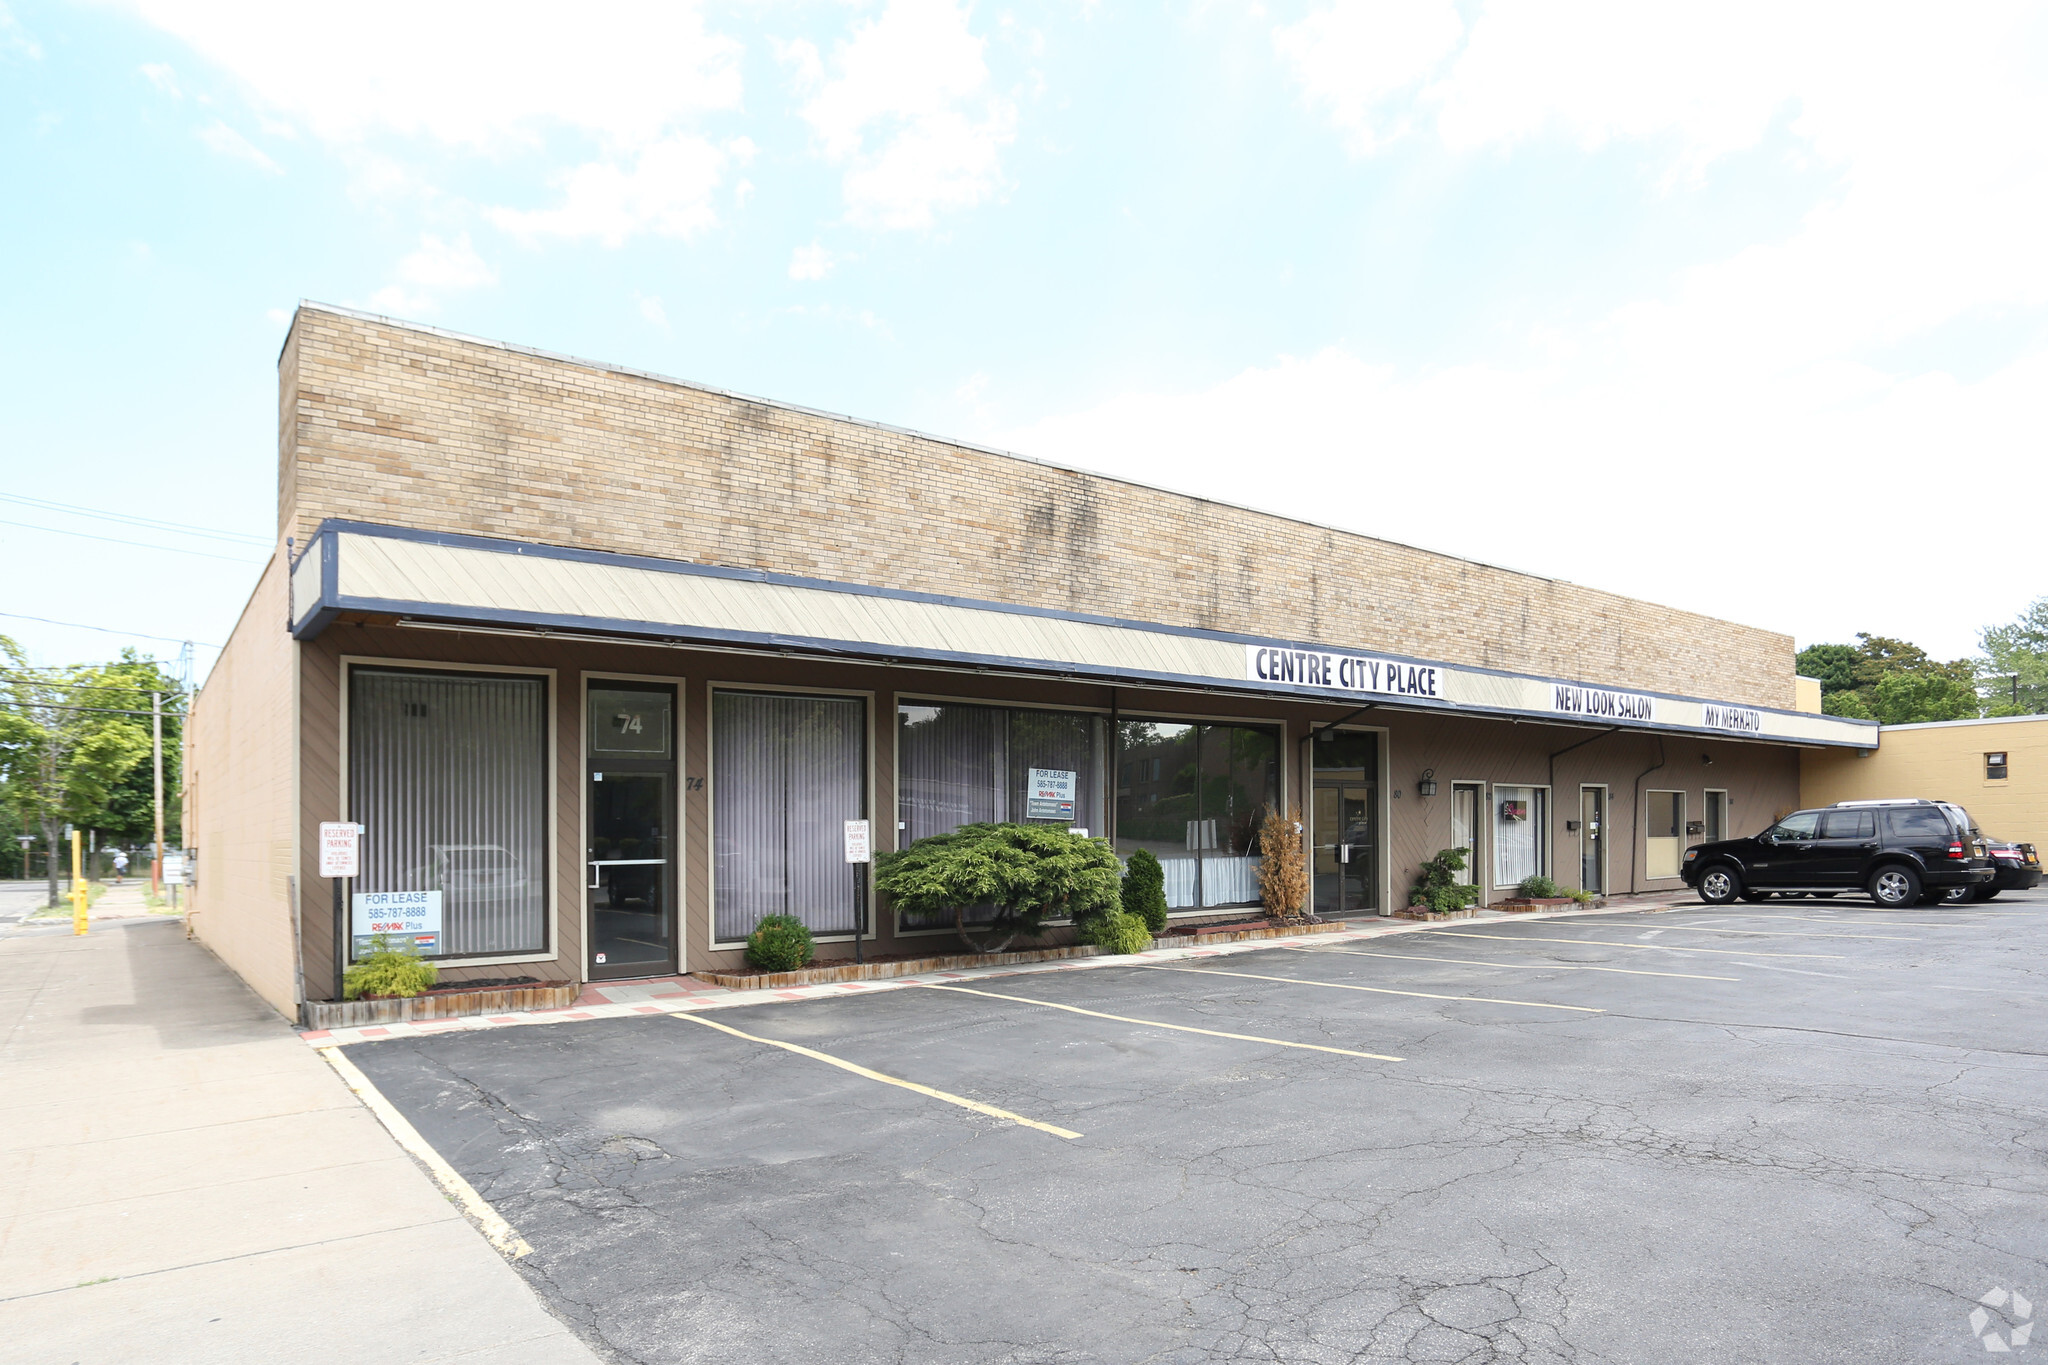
(1342, 672)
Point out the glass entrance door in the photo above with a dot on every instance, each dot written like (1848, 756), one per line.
(1593, 839)
(630, 796)
(1344, 824)
(1465, 806)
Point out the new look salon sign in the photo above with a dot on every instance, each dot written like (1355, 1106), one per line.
(1342, 672)
(1601, 703)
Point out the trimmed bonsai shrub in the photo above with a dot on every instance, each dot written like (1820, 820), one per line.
(1144, 893)
(387, 974)
(1116, 931)
(1029, 873)
(1438, 886)
(1538, 887)
(1283, 872)
(780, 943)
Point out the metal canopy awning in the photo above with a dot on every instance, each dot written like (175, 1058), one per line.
(478, 583)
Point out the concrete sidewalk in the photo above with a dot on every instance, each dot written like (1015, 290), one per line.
(182, 1179)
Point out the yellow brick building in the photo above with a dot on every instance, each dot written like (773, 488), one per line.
(1950, 760)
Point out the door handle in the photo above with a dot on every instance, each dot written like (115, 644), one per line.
(594, 875)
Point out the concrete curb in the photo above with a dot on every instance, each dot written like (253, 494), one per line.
(724, 999)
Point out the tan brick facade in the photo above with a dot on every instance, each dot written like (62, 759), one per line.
(403, 425)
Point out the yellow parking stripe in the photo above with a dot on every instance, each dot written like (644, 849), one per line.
(1180, 1028)
(976, 1105)
(1642, 947)
(1517, 966)
(496, 1230)
(1376, 990)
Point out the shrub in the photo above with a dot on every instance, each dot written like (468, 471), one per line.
(387, 974)
(1283, 872)
(1116, 931)
(1438, 886)
(1582, 897)
(780, 943)
(1029, 873)
(1538, 888)
(1144, 893)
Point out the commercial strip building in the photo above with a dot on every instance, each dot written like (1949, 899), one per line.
(603, 662)
(1997, 769)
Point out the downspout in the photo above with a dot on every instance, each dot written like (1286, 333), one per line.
(1636, 815)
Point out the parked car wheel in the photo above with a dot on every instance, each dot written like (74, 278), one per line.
(1719, 885)
(1894, 887)
(1988, 893)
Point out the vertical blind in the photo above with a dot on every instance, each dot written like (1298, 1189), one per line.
(1518, 825)
(787, 773)
(447, 773)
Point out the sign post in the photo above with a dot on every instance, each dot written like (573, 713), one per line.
(859, 853)
(80, 897)
(340, 859)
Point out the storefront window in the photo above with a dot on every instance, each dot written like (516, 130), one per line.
(1519, 848)
(786, 774)
(1194, 795)
(960, 765)
(447, 773)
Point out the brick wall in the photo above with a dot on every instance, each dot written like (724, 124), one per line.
(399, 425)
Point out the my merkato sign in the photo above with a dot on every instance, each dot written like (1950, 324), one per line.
(1342, 672)
(1601, 704)
(1740, 719)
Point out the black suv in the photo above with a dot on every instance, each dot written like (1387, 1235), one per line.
(1901, 852)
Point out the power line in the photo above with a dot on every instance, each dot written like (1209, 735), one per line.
(130, 634)
(48, 505)
(170, 689)
(132, 544)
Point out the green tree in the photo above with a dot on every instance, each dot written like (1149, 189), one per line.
(1891, 681)
(1144, 891)
(1029, 873)
(64, 744)
(2013, 673)
(129, 815)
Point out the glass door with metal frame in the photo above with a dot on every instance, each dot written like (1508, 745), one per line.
(1467, 800)
(1593, 839)
(631, 798)
(1344, 818)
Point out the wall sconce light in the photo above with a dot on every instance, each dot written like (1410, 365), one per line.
(1707, 759)
(1426, 785)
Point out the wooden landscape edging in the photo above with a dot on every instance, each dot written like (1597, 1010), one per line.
(449, 1004)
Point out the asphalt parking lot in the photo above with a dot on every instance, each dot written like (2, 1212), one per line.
(1798, 1131)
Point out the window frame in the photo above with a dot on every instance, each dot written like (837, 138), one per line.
(680, 722)
(1543, 840)
(1643, 816)
(1284, 776)
(712, 688)
(551, 935)
(2003, 769)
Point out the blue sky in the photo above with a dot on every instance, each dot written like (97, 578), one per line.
(1742, 309)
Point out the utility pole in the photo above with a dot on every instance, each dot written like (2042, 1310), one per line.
(156, 744)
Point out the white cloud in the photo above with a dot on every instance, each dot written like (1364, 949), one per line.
(811, 262)
(466, 72)
(14, 39)
(667, 190)
(909, 110)
(229, 143)
(163, 78)
(651, 309)
(435, 267)
(1718, 441)
(1356, 56)
(446, 265)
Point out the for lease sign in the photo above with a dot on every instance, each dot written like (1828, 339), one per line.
(408, 921)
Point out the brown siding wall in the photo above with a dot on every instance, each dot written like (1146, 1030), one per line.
(399, 425)
(1761, 780)
(238, 781)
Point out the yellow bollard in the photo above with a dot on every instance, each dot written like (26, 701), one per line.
(79, 898)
